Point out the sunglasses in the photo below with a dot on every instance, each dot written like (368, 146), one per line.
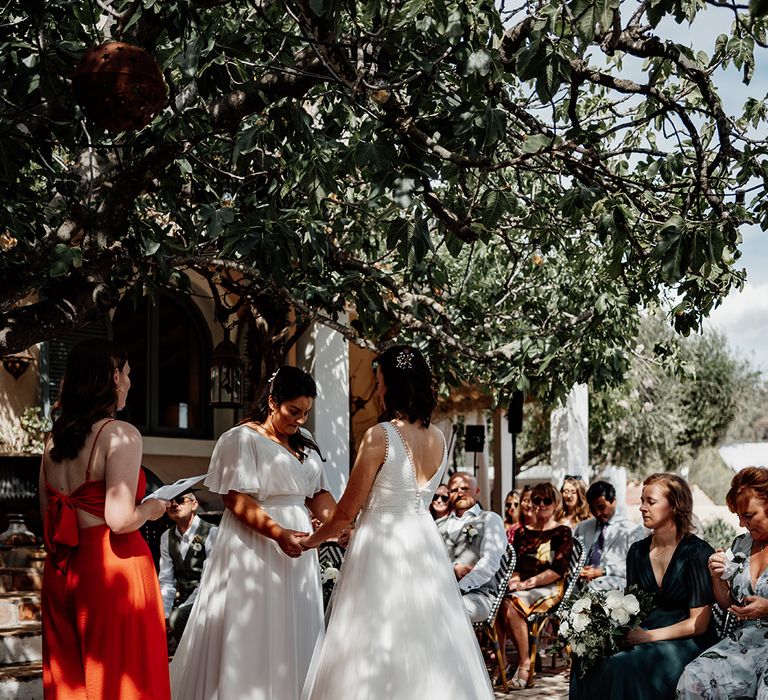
(538, 501)
(509, 504)
(181, 500)
(575, 477)
(439, 497)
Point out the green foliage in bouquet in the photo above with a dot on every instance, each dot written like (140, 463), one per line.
(596, 622)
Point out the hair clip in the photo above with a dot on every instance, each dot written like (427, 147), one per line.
(404, 360)
(271, 380)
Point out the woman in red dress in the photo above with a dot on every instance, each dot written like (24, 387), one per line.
(103, 624)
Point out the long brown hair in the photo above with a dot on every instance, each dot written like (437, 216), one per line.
(581, 510)
(678, 493)
(88, 394)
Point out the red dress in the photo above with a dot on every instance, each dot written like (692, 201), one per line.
(103, 624)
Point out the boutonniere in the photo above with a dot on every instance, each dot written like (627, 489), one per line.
(470, 533)
(197, 544)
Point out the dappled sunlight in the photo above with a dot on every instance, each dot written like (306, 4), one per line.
(249, 634)
(103, 626)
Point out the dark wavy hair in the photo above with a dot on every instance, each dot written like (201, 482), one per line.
(286, 384)
(410, 388)
(88, 394)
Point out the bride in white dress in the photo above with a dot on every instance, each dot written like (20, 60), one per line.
(398, 629)
(259, 608)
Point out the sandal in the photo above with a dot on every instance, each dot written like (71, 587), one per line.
(517, 683)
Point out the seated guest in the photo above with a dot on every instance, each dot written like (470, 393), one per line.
(575, 508)
(672, 564)
(737, 667)
(439, 507)
(543, 550)
(184, 549)
(512, 513)
(607, 538)
(476, 541)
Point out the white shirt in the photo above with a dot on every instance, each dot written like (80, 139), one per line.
(492, 548)
(167, 574)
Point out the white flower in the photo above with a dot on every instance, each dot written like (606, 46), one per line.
(580, 622)
(329, 574)
(621, 607)
(565, 629)
(582, 605)
(578, 648)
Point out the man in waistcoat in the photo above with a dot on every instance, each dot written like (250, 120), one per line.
(476, 541)
(184, 549)
(607, 538)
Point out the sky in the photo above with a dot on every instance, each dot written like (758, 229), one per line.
(743, 316)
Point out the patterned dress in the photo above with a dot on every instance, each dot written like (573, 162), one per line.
(537, 551)
(736, 667)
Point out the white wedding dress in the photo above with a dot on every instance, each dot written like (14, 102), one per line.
(398, 629)
(258, 613)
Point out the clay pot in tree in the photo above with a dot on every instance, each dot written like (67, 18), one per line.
(119, 86)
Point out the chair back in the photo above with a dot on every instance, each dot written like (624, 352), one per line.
(330, 554)
(503, 574)
(724, 621)
(575, 565)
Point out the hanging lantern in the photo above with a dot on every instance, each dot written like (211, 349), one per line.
(226, 376)
(16, 365)
(119, 86)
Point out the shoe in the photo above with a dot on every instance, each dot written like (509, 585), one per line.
(518, 683)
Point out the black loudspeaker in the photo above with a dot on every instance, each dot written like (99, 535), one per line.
(474, 438)
(515, 413)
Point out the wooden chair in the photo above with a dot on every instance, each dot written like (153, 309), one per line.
(537, 622)
(488, 626)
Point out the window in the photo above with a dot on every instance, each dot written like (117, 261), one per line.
(169, 351)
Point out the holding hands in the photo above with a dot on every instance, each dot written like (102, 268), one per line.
(290, 542)
(518, 585)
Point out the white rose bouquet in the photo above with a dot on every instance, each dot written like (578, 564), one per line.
(594, 624)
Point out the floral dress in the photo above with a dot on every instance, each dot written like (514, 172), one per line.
(736, 667)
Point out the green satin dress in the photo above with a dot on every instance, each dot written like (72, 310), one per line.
(650, 671)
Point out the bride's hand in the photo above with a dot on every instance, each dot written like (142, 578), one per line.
(306, 543)
(289, 542)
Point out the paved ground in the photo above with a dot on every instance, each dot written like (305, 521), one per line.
(548, 686)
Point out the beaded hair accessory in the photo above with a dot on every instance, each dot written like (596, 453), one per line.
(271, 380)
(404, 360)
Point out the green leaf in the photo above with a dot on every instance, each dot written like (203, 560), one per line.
(535, 143)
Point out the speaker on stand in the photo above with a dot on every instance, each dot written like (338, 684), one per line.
(474, 441)
(515, 425)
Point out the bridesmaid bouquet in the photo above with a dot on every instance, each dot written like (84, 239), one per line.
(594, 624)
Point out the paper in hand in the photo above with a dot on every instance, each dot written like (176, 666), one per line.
(733, 563)
(169, 491)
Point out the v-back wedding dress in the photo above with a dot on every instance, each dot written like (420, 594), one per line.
(398, 629)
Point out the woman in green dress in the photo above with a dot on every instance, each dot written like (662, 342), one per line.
(672, 564)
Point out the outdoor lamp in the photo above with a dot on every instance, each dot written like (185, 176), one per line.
(226, 376)
(16, 365)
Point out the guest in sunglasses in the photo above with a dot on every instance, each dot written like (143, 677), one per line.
(575, 507)
(184, 550)
(440, 507)
(512, 513)
(543, 552)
